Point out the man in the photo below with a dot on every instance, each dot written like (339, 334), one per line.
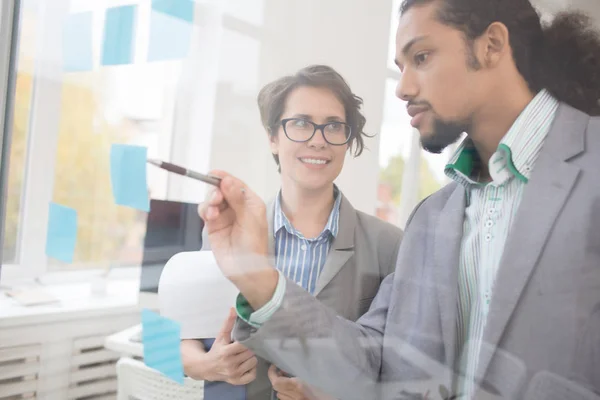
(497, 284)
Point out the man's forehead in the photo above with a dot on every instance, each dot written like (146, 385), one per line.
(416, 22)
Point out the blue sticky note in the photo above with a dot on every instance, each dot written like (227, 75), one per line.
(171, 26)
(128, 176)
(182, 9)
(77, 42)
(117, 48)
(160, 338)
(61, 235)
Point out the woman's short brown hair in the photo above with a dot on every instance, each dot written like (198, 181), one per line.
(272, 99)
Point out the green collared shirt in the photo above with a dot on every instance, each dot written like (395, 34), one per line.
(489, 214)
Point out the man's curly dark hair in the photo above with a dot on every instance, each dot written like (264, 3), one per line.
(571, 62)
(562, 57)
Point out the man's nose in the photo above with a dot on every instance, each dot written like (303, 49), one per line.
(407, 88)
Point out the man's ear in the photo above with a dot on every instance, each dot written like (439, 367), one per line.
(495, 44)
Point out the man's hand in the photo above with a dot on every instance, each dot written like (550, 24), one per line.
(289, 388)
(236, 223)
(226, 361)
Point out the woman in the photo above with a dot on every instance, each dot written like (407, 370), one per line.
(319, 240)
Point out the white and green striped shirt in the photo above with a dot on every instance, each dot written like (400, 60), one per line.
(490, 211)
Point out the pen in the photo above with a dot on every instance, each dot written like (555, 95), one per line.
(176, 169)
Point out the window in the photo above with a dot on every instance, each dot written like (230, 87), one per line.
(69, 143)
(61, 137)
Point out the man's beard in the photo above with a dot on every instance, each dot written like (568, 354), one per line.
(444, 134)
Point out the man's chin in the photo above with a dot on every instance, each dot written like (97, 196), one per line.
(429, 142)
(434, 145)
(438, 140)
(433, 148)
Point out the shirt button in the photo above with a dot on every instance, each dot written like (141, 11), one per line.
(489, 223)
(491, 211)
(303, 247)
(488, 237)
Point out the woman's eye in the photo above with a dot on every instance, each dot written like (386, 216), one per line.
(421, 58)
(300, 123)
(334, 127)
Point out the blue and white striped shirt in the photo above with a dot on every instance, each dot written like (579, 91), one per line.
(298, 258)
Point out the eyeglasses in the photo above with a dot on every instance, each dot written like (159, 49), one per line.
(301, 130)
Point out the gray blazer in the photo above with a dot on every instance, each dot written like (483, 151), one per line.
(543, 332)
(360, 257)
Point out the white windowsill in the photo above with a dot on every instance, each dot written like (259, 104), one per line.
(16, 275)
(78, 297)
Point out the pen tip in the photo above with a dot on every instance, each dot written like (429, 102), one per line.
(154, 162)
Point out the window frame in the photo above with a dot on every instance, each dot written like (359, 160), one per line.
(9, 27)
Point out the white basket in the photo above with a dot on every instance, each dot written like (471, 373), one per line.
(139, 382)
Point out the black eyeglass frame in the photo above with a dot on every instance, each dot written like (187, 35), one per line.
(320, 127)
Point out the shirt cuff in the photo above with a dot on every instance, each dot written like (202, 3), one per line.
(262, 315)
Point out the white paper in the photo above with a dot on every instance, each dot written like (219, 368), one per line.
(193, 291)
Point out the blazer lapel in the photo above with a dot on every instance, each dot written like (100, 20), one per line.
(342, 247)
(448, 230)
(547, 191)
